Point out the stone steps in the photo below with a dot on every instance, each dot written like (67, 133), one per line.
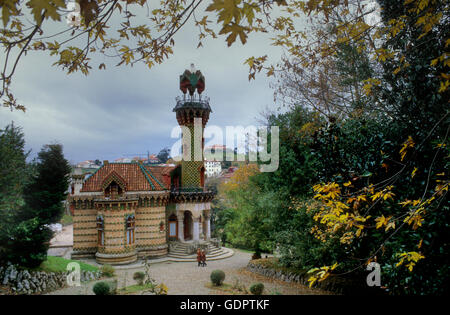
(178, 252)
(222, 254)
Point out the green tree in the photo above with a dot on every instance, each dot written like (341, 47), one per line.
(12, 179)
(44, 196)
(164, 155)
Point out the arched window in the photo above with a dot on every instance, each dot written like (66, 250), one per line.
(130, 229)
(100, 231)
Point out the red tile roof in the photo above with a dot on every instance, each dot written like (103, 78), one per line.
(162, 173)
(136, 176)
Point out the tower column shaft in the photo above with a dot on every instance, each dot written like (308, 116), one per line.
(196, 232)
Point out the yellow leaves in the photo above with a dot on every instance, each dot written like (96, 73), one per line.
(127, 54)
(410, 202)
(411, 258)
(230, 14)
(320, 274)
(382, 221)
(414, 172)
(234, 30)
(444, 86)
(369, 84)
(332, 190)
(384, 54)
(441, 188)
(384, 194)
(406, 145)
(347, 238)
(46, 9)
(415, 218)
(347, 183)
(361, 198)
(9, 8)
(240, 178)
(226, 9)
(255, 65)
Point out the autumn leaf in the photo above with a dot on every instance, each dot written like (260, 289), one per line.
(46, 9)
(234, 30)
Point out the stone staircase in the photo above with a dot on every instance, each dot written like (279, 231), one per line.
(187, 251)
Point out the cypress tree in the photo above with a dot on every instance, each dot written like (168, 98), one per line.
(12, 179)
(44, 196)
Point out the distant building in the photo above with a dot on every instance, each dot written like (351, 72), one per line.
(153, 159)
(213, 168)
(216, 147)
(227, 174)
(88, 164)
(123, 160)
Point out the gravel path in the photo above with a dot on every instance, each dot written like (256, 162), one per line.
(187, 278)
(63, 238)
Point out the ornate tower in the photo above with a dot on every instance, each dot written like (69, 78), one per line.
(192, 115)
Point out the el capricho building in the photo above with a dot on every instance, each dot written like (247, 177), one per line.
(126, 211)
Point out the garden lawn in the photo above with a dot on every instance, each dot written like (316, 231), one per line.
(132, 289)
(59, 264)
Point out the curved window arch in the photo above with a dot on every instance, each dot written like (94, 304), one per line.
(130, 225)
(100, 231)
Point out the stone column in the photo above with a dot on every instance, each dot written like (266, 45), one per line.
(180, 219)
(208, 227)
(196, 232)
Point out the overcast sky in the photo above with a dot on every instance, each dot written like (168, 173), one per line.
(123, 111)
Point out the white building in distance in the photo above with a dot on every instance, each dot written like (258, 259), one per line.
(213, 168)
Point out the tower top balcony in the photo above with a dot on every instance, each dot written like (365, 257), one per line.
(194, 102)
(192, 105)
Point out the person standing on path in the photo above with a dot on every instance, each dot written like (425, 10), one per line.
(203, 258)
(199, 257)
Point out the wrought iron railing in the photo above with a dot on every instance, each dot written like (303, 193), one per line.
(192, 101)
(190, 190)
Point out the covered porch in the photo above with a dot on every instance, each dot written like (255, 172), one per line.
(189, 225)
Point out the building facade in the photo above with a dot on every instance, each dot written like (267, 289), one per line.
(126, 211)
(213, 168)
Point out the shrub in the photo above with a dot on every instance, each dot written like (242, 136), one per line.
(217, 277)
(101, 288)
(139, 276)
(256, 255)
(257, 288)
(107, 270)
(112, 286)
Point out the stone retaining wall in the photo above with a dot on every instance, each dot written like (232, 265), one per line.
(292, 277)
(335, 284)
(35, 282)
